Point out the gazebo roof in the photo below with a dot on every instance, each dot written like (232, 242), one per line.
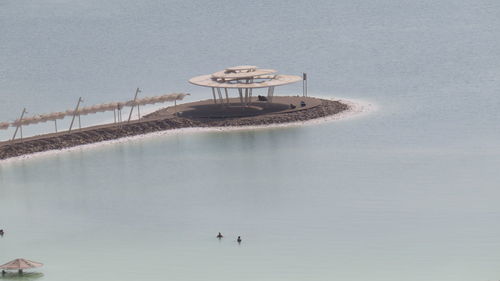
(241, 67)
(244, 77)
(278, 80)
(224, 74)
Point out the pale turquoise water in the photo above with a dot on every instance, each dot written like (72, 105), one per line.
(409, 192)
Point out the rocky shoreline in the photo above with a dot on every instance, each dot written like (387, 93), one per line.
(150, 124)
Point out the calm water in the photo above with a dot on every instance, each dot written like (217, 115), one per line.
(409, 192)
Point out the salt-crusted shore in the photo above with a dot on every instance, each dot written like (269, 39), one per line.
(158, 122)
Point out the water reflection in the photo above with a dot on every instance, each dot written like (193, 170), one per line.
(24, 276)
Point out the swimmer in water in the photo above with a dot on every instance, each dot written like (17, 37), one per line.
(219, 236)
(239, 240)
(1, 232)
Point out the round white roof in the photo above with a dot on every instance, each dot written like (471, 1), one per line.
(244, 76)
(242, 67)
(239, 75)
(278, 80)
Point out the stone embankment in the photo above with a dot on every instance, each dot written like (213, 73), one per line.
(149, 124)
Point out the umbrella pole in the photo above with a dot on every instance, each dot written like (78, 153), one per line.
(20, 120)
(132, 109)
(74, 114)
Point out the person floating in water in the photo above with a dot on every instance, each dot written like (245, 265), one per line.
(239, 240)
(1, 232)
(220, 236)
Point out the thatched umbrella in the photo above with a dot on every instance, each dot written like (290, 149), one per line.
(32, 120)
(4, 125)
(19, 265)
(53, 117)
(69, 112)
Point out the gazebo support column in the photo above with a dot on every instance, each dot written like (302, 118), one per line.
(246, 96)
(250, 92)
(213, 92)
(270, 94)
(221, 99)
(227, 96)
(240, 91)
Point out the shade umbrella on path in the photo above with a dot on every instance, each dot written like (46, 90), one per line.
(20, 264)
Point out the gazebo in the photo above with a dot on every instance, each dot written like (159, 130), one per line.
(244, 78)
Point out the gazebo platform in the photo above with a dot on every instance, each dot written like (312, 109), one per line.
(208, 110)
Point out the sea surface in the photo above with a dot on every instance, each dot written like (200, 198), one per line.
(407, 192)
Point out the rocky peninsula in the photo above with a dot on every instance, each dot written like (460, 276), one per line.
(189, 115)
